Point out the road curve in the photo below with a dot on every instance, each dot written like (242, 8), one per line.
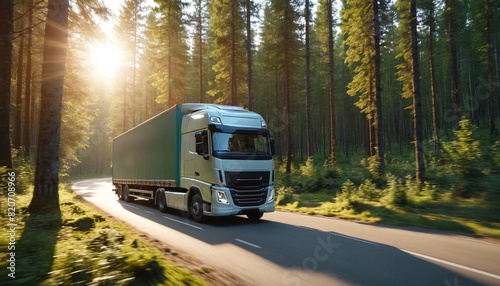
(293, 249)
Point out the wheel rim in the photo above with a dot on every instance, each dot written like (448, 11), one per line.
(196, 208)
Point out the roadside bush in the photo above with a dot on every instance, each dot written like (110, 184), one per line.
(347, 196)
(396, 191)
(462, 159)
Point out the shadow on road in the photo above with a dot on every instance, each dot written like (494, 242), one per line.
(305, 251)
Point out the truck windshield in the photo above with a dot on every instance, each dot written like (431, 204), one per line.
(240, 144)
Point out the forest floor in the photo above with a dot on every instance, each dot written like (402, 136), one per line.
(80, 245)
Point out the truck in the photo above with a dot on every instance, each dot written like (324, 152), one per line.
(205, 160)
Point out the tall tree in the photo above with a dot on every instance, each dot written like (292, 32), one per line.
(428, 5)
(309, 138)
(6, 35)
(170, 76)
(19, 91)
(45, 194)
(249, 6)
(199, 20)
(227, 24)
(360, 21)
(456, 103)
(129, 24)
(410, 75)
(27, 89)
(331, 83)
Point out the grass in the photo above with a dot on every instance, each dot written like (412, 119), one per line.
(454, 214)
(80, 246)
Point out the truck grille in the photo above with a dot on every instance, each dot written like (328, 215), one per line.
(248, 188)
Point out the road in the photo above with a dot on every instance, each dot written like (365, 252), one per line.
(294, 249)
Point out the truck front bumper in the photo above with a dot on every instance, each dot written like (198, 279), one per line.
(222, 203)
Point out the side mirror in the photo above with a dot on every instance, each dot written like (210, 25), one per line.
(202, 144)
(273, 148)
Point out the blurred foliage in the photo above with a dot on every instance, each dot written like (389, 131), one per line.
(461, 191)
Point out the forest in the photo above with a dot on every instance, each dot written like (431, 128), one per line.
(355, 92)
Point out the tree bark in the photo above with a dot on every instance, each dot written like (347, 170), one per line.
(249, 54)
(19, 91)
(308, 85)
(45, 194)
(6, 36)
(456, 109)
(435, 131)
(417, 95)
(378, 88)
(331, 85)
(27, 89)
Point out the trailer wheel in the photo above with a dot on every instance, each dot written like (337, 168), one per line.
(119, 192)
(126, 197)
(161, 202)
(255, 216)
(196, 208)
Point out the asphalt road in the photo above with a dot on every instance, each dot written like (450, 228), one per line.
(293, 249)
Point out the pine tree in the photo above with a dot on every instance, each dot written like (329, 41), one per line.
(45, 194)
(170, 75)
(410, 74)
(6, 35)
(227, 26)
(360, 21)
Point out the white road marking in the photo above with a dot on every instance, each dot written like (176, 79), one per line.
(248, 243)
(131, 206)
(150, 212)
(353, 238)
(194, 226)
(453, 264)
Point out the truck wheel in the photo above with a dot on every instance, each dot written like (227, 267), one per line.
(119, 192)
(196, 208)
(126, 197)
(161, 202)
(254, 216)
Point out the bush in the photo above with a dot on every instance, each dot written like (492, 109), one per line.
(396, 191)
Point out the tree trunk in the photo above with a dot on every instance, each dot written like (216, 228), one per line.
(435, 134)
(249, 54)
(45, 194)
(417, 96)
(6, 35)
(491, 92)
(19, 91)
(308, 86)
(286, 96)
(378, 88)
(234, 86)
(331, 85)
(27, 89)
(456, 109)
(200, 60)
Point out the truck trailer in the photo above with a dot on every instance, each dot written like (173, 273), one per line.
(202, 159)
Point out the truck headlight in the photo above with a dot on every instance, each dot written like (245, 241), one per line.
(222, 198)
(270, 199)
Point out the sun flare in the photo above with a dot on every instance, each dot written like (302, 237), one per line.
(105, 59)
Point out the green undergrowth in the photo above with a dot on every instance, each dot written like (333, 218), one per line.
(80, 246)
(460, 193)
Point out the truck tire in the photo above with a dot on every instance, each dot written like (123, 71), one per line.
(126, 197)
(161, 203)
(254, 216)
(119, 192)
(196, 208)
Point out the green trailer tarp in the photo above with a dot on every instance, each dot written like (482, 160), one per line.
(151, 150)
